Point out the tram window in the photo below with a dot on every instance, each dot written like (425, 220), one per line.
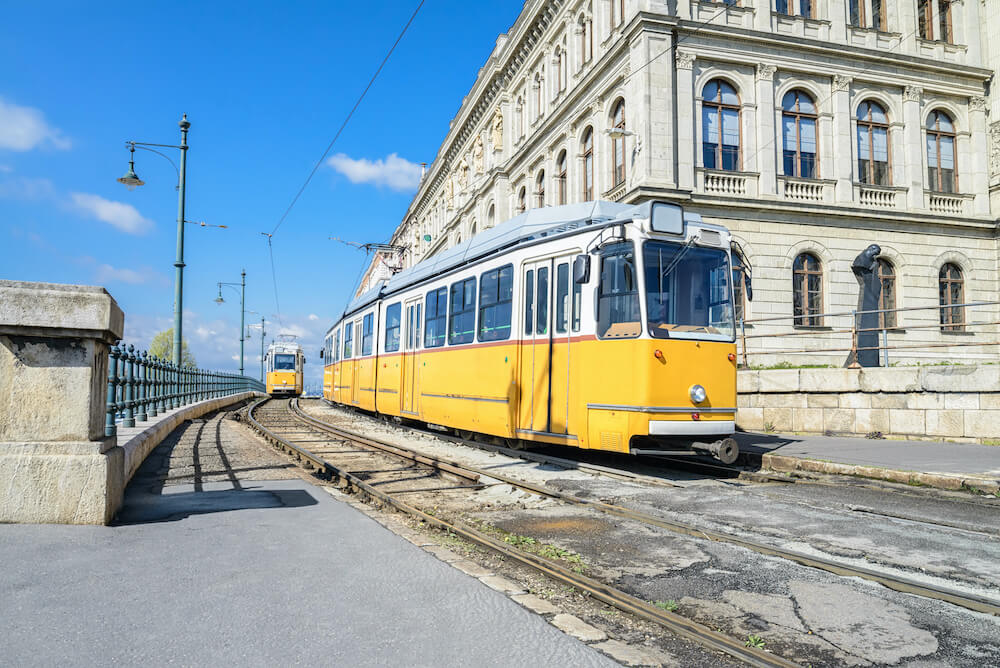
(688, 291)
(562, 298)
(618, 294)
(496, 289)
(462, 313)
(529, 301)
(577, 305)
(367, 335)
(336, 346)
(542, 322)
(284, 362)
(393, 321)
(348, 341)
(437, 316)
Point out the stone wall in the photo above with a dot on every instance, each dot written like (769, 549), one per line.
(960, 403)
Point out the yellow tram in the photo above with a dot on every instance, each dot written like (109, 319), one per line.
(596, 325)
(284, 363)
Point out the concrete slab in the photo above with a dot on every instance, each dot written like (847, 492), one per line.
(251, 572)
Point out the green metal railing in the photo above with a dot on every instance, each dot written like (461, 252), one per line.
(141, 386)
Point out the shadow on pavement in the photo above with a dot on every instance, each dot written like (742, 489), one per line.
(146, 508)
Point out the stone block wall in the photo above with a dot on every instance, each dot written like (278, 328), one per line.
(960, 403)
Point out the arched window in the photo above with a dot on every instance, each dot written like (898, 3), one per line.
(540, 189)
(522, 203)
(491, 217)
(873, 144)
(618, 143)
(807, 291)
(473, 228)
(588, 165)
(951, 290)
(561, 178)
(798, 127)
(887, 297)
(720, 119)
(941, 174)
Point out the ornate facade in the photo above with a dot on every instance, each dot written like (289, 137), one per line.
(810, 128)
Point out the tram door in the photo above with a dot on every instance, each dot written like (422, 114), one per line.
(544, 348)
(355, 389)
(411, 345)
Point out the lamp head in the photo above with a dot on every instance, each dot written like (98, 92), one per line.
(131, 180)
(219, 300)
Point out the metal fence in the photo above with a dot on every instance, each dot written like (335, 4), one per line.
(806, 336)
(141, 386)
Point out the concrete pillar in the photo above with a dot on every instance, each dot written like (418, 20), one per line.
(843, 139)
(769, 137)
(840, 19)
(978, 164)
(913, 165)
(969, 20)
(56, 465)
(652, 101)
(907, 26)
(762, 15)
(687, 142)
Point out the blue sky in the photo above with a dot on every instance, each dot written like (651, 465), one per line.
(265, 88)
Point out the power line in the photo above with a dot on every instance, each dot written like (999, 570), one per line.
(346, 120)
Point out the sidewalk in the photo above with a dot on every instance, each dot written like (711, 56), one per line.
(223, 555)
(932, 463)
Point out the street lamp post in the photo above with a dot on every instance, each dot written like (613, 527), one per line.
(243, 308)
(132, 180)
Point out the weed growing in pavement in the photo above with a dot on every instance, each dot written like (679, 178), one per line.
(769, 428)
(518, 541)
(991, 441)
(529, 544)
(669, 606)
(755, 641)
(875, 435)
(789, 365)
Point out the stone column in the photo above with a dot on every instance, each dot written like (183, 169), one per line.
(913, 166)
(654, 137)
(768, 136)
(843, 139)
(979, 182)
(762, 15)
(970, 30)
(907, 26)
(840, 19)
(56, 465)
(687, 143)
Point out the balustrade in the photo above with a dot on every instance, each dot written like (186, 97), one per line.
(141, 386)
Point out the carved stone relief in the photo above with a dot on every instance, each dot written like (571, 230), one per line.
(766, 72)
(497, 133)
(477, 154)
(912, 93)
(841, 83)
(995, 148)
(685, 60)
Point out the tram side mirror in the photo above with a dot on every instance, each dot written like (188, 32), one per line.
(321, 353)
(581, 269)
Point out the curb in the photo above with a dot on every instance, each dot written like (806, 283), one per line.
(138, 446)
(954, 482)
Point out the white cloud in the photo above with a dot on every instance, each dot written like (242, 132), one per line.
(25, 128)
(313, 316)
(393, 172)
(123, 216)
(295, 330)
(107, 274)
(26, 188)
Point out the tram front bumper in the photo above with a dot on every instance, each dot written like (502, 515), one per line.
(692, 428)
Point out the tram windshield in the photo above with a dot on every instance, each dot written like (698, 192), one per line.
(688, 294)
(284, 362)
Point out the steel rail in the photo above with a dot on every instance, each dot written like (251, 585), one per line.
(896, 583)
(673, 622)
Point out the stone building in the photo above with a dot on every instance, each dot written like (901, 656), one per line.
(811, 128)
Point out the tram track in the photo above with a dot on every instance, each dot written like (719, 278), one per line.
(892, 581)
(351, 481)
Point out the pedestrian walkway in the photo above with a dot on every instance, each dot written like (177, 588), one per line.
(933, 463)
(223, 554)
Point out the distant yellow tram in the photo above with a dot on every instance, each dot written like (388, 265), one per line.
(596, 325)
(284, 363)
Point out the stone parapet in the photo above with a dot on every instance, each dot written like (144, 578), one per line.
(960, 403)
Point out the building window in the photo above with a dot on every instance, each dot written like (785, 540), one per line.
(944, 20)
(798, 121)
(588, 165)
(617, 12)
(720, 117)
(522, 203)
(941, 175)
(491, 217)
(951, 289)
(925, 19)
(618, 143)
(561, 178)
(857, 8)
(873, 144)
(807, 291)
(787, 7)
(540, 189)
(887, 296)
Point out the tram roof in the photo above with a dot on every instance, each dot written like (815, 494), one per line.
(528, 226)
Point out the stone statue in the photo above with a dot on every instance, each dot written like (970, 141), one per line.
(463, 173)
(870, 288)
(497, 136)
(449, 192)
(477, 154)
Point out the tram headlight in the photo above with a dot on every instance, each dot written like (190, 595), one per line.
(698, 394)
